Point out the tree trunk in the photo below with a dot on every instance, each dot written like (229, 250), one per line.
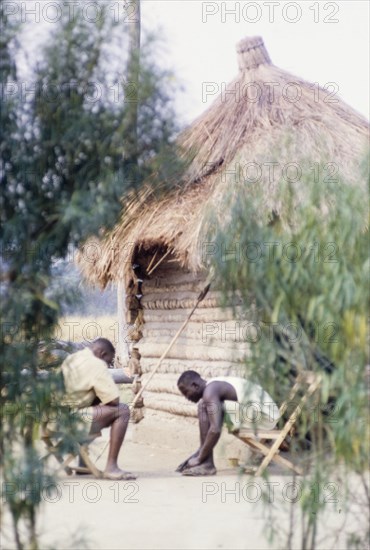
(130, 156)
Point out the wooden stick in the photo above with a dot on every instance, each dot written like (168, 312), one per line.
(152, 260)
(200, 298)
(292, 419)
(159, 262)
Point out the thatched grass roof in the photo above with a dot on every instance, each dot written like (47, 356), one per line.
(272, 117)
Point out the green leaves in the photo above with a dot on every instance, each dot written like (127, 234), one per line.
(309, 284)
(65, 165)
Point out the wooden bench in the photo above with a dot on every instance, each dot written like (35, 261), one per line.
(308, 383)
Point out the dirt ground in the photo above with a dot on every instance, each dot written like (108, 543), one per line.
(164, 510)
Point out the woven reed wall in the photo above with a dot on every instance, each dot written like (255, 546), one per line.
(212, 343)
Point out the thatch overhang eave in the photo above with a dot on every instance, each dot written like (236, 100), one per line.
(172, 223)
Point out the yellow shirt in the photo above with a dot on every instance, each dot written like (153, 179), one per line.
(85, 378)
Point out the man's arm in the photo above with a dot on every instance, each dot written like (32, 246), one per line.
(213, 405)
(104, 387)
(214, 409)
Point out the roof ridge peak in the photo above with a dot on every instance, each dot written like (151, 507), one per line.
(252, 53)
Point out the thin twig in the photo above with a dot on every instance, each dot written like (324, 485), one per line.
(159, 262)
(152, 260)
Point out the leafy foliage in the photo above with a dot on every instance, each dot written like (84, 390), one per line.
(305, 286)
(64, 169)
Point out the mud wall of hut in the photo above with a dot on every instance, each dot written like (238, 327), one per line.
(213, 343)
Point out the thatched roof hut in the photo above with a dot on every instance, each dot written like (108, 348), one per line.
(264, 115)
(264, 122)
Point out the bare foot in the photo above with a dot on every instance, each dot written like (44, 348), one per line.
(201, 470)
(117, 473)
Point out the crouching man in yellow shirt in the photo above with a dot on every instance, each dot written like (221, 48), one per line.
(88, 382)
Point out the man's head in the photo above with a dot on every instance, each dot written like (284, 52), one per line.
(191, 385)
(103, 349)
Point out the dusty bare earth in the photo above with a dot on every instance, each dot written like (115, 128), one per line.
(164, 510)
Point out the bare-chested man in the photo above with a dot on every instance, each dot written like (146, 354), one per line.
(231, 399)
